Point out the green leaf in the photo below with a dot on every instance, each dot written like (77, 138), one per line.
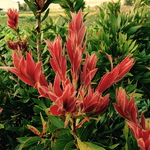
(147, 74)
(37, 109)
(40, 103)
(113, 146)
(38, 36)
(69, 145)
(137, 95)
(93, 146)
(24, 100)
(42, 119)
(61, 137)
(56, 1)
(22, 139)
(86, 131)
(134, 29)
(45, 15)
(19, 147)
(46, 5)
(145, 81)
(59, 144)
(87, 145)
(38, 147)
(1, 126)
(31, 42)
(27, 141)
(31, 6)
(56, 121)
(79, 4)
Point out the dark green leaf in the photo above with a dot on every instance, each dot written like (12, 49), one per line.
(48, 2)
(56, 121)
(40, 103)
(31, 42)
(31, 6)
(113, 146)
(69, 145)
(27, 141)
(45, 15)
(134, 29)
(38, 147)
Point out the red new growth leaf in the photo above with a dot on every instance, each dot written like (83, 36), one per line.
(13, 16)
(126, 108)
(142, 136)
(58, 60)
(136, 122)
(93, 102)
(75, 46)
(34, 130)
(27, 70)
(64, 97)
(15, 44)
(1, 109)
(116, 74)
(89, 70)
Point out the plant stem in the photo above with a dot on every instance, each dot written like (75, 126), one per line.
(19, 37)
(74, 126)
(38, 30)
(74, 131)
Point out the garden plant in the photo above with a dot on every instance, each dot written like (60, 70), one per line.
(70, 84)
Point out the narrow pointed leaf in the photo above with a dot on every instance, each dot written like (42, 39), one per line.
(31, 6)
(45, 15)
(29, 141)
(46, 5)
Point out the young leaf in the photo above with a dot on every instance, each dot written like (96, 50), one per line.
(42, 119)
(34, 130)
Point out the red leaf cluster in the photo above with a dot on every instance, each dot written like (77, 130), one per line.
(128, 110)
(13, 16)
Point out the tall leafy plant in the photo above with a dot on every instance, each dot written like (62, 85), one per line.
(74, 99)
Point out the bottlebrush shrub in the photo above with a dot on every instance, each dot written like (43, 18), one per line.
(74, 100)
